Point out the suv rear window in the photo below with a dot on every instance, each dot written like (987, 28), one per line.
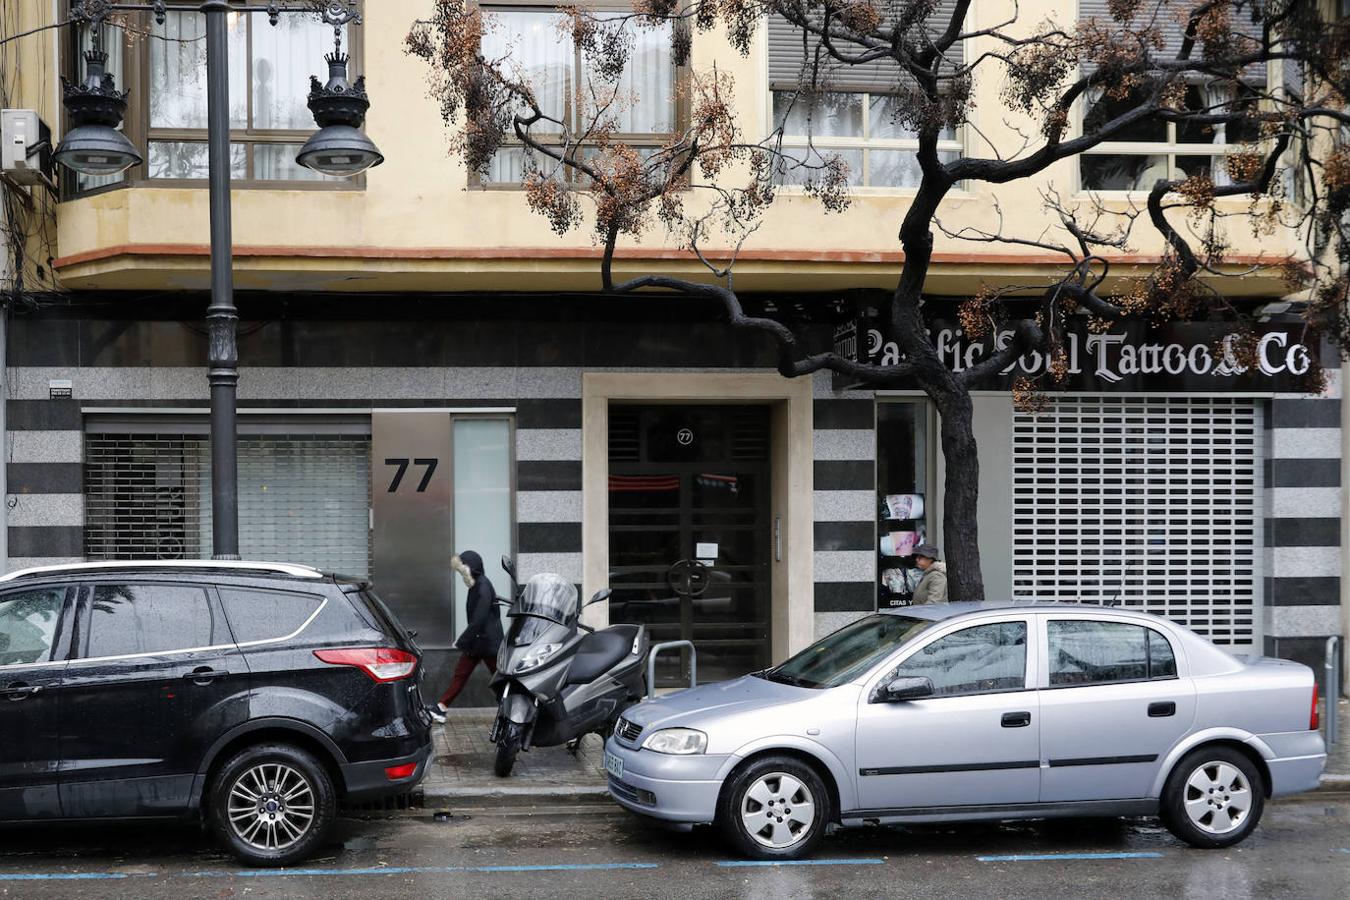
(134, 619)
(258, 615)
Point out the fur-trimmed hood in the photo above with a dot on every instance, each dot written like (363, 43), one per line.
(469, 565)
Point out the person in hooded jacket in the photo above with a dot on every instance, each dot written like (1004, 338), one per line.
(481, 637)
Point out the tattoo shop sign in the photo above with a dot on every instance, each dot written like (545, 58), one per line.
(1177, 357)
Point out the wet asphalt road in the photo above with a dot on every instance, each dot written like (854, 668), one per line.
(1302, 849)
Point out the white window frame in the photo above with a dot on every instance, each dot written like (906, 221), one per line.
(865, 143)
(1170, 148)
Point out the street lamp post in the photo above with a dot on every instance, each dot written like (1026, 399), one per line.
(94, 147)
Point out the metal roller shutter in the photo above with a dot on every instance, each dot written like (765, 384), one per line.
(790, 57)
(1151, 500)
(1169, 17)
(302, 498)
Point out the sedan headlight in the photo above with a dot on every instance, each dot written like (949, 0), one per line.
(536, 657)
(678, 741)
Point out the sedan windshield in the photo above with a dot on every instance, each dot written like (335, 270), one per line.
(841, 657)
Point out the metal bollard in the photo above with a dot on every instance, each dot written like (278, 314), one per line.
(668, 645)
(1332, 681)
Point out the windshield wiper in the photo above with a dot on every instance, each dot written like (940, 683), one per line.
(784, 678)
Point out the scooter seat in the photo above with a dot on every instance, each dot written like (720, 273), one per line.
(599, 652)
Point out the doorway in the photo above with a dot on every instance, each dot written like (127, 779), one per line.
(689, 532)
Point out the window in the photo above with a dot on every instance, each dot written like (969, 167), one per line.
(537, 49)
(302, 497)
(28, 625)
(849, 652)
(164, 68)
(862, 128)
(1151, 149)
(266, 615)
(140, 619)
(973, 660)
(858, 110)
(1087, 652)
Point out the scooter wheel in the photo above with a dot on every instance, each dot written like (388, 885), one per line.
(508, 745)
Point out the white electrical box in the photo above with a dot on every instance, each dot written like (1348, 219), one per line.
(25, 147)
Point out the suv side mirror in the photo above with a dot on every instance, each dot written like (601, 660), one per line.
(908, 687)
(509, 567)
(600, 596)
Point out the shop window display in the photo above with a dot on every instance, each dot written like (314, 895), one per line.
(902, 485)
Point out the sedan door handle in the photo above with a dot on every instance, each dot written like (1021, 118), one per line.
(20, 691)
(1016, 719)
(1162, 710)
(203, 675)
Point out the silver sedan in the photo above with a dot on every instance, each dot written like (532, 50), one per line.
(960, 712)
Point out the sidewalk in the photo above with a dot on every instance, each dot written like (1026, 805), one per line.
(461, 769)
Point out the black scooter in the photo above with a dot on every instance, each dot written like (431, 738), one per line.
(558, 680)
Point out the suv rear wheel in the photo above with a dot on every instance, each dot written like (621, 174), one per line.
(272, 804)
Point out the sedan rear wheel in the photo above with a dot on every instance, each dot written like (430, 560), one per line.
(1213, 798)
(775, 808)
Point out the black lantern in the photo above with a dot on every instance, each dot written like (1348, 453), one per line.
(339, 147)
(94, 146)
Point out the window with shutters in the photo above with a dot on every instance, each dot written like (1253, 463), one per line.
(538, 50)
(1138, 156)
(856, 112)
(1145, 502)
(302, 498)
(1152, 149)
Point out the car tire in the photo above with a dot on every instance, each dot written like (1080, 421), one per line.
(508, 746)
(1213, 798)
(792, 799)
(272, 804)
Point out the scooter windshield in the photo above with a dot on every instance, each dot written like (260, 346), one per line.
(548, 596)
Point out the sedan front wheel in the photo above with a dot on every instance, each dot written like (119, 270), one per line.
(774, 808)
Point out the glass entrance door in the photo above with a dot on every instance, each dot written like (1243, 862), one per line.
(689, 532)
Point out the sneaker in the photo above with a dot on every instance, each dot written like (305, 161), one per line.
(437, 715)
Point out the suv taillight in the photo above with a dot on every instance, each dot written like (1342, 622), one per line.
(1314, 720)
(382, 664)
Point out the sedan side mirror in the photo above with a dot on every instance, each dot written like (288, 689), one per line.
(908, 687)
(600, 596)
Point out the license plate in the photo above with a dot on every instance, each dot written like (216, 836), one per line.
(613, 765)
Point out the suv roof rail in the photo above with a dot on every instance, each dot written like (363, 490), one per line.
(296, 571)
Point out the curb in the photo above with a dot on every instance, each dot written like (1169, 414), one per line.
(1334, 783)
(513, 796)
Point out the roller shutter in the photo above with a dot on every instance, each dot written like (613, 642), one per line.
(1152, 502)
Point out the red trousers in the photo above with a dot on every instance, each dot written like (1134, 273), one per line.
(463, 669)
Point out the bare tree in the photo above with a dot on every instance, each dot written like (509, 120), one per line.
(1142, 62)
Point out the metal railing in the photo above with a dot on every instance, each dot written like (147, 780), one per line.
(1332, 683)
(670, 645)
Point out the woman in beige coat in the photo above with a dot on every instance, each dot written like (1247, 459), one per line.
(932, 587)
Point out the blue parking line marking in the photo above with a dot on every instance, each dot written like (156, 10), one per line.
(415, 870)
(71, 876)
(861, 861)
(1046, 857)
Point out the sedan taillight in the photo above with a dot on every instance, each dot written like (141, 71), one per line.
(1313, 719)
(382, 664)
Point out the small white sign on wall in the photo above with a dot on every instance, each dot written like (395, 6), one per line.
(705, 551)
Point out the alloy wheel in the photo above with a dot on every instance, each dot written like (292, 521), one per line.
(778, 810)
(1217, 798)
(271, 806)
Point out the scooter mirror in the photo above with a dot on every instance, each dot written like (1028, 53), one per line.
(509, 567)
(599, 596)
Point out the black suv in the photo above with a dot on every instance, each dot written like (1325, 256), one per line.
(258, 695)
